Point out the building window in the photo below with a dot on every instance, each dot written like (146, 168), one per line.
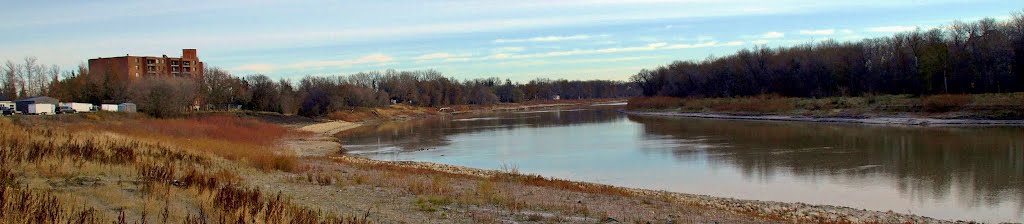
(186, 63)
(174, 62)
(150, 61)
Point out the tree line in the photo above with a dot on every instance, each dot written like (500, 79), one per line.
(318, 95)
(309, 96)
(985, 56)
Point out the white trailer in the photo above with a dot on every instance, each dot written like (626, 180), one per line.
(7, 104)
(108, 107)
(78, 107)
(41, 108)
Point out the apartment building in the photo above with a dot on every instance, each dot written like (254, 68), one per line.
(136, 67)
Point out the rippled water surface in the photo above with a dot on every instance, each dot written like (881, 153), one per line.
(972, 173)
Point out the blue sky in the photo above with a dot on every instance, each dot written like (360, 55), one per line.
(521, 40)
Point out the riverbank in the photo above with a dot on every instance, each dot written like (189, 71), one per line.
(778, 211)
(910, 121)
(937, 110)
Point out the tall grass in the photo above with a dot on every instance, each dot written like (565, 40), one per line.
(231, 137)
(157, 167)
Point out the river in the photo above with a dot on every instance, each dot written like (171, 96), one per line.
(957, 173)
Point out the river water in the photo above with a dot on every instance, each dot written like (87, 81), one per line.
(960, 173)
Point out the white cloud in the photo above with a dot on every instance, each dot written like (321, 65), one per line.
(368, 59)
(508, 49)
(648, 47)
(704, 44)
(732, 43)
(697, 45)
(375, 59)
(432, 56)
(259, 68)
(891, 29)
(760, 41)
(773, 35)
(818, 32)
(545, 39)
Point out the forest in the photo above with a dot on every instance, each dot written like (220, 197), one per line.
(985, 56)
(310, 96)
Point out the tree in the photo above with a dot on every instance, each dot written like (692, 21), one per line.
(11, 74)
(164, 96)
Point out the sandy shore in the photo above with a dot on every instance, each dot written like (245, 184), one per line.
(322, 141)
(791, 212)
(909, 121)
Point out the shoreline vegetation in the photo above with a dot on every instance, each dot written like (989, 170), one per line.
(936, 110)
(246, 166)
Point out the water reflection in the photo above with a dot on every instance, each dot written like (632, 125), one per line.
(946, 172)
(431, 133)
(985, 164)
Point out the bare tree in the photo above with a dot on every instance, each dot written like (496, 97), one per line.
(11, 74)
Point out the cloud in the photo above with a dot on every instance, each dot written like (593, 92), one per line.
(818, 32)
(375, 59)
(440, 55)
(578, 61)
(508, 49)
(545, 39)
(648, 47)
(891, 29)
(259, 68)
(368, 59)
(705, 44)
(760, 41)
(773, 35)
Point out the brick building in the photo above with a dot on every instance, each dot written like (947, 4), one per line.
(136, 67)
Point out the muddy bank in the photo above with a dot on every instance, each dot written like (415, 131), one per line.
(789, 212)
(909, 121)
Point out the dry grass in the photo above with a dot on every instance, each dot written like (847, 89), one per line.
(945, 103)
(991, 105)
(105, 178)
(655, 103)
(757, 104)
(231, 137)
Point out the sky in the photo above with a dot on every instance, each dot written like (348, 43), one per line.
(520, 40)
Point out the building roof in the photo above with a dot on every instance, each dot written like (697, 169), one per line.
(40, 99)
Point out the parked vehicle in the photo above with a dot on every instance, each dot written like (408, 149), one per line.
(65, 110)
(7, 111)
(108, 107)
(78, 107)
